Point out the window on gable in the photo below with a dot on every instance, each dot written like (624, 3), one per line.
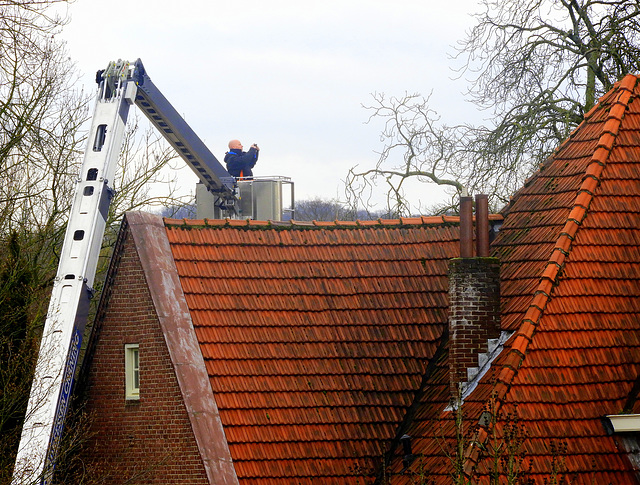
(132, 372)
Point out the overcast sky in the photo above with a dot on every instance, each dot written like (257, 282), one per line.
(289, 75)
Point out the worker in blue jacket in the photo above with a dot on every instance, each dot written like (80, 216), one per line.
(239, 163)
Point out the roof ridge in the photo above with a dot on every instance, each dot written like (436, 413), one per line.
(292, 224)
(542, 295)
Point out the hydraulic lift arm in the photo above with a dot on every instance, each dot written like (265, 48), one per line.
(181, 137)
(120, 86)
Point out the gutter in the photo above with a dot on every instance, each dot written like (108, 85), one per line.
(622, 423)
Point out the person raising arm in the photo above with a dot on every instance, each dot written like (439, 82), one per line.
(239, 163)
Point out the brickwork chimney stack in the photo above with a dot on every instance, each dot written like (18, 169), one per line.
(474, 295)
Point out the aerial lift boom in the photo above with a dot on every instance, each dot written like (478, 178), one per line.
(181, 137)
(120, 86)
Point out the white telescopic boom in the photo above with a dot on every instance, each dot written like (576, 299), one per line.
(120, 86)
(72, 289)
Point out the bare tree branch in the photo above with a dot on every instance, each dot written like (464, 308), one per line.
(536, 68)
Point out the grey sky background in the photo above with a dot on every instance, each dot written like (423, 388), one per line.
(291, 76)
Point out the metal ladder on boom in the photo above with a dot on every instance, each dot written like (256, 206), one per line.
(120, 85)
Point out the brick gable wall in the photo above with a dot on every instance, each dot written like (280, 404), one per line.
(147, 441)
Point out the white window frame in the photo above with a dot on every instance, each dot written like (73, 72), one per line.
(132, 372)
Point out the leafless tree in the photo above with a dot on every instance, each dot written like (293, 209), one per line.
(34, 79)
(42, 138)
(146, 161)
(415, 146)
(535, 69)
(319, 209)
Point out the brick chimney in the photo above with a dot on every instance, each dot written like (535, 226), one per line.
(474, 295)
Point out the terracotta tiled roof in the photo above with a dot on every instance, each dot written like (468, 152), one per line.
(315, 336)
(570, 256)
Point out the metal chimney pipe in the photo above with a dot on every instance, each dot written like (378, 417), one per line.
(482, 225)
(466, 227)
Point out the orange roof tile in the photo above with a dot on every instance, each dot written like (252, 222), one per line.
(315, 338)
(576, 353)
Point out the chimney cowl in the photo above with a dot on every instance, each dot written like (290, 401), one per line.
(482, 225)
(466, 227)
